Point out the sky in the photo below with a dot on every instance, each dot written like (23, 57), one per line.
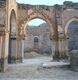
(45, 2)
(37, 22)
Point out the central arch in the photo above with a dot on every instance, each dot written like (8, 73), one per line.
(37, 41)
(40, 15)
(53, 29)
(33, 15)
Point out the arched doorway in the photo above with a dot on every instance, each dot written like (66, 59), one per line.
(53, 29)
(37, 37)
(12, 38)
(36, 41)
(71, 31)
(72, 36)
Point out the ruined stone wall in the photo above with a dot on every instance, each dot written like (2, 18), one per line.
(42, 33)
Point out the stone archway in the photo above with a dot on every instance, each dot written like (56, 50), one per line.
(69, 29)
(33, 15)
(12, 38)
(43, 16)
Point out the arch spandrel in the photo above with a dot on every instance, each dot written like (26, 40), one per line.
(34, 15)
(68, 22)
(13, 22)
(11, 5)
(67, 15)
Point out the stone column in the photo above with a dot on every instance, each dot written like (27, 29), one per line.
(62, 46)
(56, 54)
(66, 46)
(20, 45)
(2, 49)
(12, 50)
(20, 50)
(61, 49)
(4, 52)
(55, 36)
(55, 47)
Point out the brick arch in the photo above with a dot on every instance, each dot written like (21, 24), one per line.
(37, 14)
(68, 22)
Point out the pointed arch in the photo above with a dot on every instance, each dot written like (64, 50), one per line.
(68, 22)
(37, 14)
(12, 37)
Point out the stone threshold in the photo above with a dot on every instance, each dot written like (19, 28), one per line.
(55, 64)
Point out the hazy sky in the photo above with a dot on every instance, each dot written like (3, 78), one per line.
(36, 22)
(43, 2)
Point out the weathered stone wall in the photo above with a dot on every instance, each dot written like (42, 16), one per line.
(55, 16)
(6, 6)
(42, 33)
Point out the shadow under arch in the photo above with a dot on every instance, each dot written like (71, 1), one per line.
(67, 32)
(12, 37)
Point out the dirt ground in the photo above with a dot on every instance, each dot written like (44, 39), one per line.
(31, 69)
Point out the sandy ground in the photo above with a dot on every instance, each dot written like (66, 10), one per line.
(31, 69)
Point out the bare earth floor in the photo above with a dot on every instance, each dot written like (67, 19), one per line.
(31, 69)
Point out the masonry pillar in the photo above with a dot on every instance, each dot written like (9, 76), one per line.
(56, 53)
(55, 36)
(3, 56)
(62, 43)
(66, 46)
(56, 42)
(55, 45)
(52, 46)
(0, 53)
(4, 40)
(62, 50)
(12, 57)
(55, 48)
(16, 51)
(20, 50)
(20, 44)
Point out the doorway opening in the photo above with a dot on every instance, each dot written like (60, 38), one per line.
(37, 39)
(12, 38)
(73, 36)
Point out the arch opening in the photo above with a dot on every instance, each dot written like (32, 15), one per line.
(72, 36)
(37, 37)
(45, 21)
(38, 15)
(72, 33)
(12, 37)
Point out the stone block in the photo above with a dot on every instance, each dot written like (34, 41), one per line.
(74, 60)
(3, 64)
